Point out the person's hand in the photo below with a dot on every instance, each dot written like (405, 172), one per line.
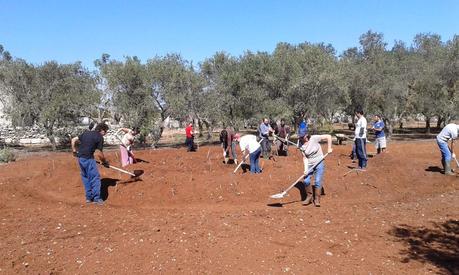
(235, 161)
(453, 155)
(106, 164)
(330, 150)
(75, 154)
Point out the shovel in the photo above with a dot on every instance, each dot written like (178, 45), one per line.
(282, 194)
(135, 174)
(286, 140)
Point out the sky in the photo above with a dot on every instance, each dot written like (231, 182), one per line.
(82, 30)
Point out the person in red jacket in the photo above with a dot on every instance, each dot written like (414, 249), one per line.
(189, 141)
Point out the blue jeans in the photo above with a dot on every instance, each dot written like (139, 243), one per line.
(318, 173)
(445, 152)
(255, 161)
(361, 150)
(91, 178)
(233, 149)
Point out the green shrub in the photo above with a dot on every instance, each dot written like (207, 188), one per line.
(6, 155)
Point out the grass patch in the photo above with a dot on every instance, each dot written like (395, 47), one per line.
(6, 155)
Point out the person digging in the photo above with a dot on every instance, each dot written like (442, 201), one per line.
(88, 143)
(314, 164)
(449, 132)
(282, 131)
(264, 130)
(127, 157)
(228, 142)
(250, 146)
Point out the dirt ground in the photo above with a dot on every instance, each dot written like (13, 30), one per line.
(191, 214)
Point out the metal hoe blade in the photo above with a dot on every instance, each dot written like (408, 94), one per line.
(278, 196)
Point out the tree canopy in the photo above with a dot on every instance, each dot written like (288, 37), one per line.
(306, 80)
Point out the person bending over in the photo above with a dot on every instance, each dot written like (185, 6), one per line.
(249, 145)
(314, 165)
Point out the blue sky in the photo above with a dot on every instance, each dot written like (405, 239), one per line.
(68, 31)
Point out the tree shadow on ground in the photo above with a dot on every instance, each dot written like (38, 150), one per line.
(438, 245)
(104, 184)
(434, 169)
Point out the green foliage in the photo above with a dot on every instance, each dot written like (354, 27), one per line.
(50, 95)
(6, 155)
(293, 82)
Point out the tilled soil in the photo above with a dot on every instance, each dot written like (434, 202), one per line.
(190, 214)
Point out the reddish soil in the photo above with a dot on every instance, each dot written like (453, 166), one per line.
(191, 214)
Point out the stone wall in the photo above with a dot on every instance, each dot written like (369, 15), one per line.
(34, 136)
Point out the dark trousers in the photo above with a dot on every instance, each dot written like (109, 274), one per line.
(189, 141)
(361, 150)
(266, 147)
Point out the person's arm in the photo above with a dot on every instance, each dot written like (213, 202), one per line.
(74, 142)
(328, 138)
(125, 130)
(452, 149)
(102, 158)
(100, 154)
(379, 128)
(306, 165)
(245, 153)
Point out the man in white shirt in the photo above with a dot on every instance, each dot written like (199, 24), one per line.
(449, 132)
(249, 145)
(361, 139)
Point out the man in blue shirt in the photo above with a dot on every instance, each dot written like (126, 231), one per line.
(89, 142)
(302, 132)
(378, 127)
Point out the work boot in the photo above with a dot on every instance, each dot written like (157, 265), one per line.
(317, 196)
(448, 170)
(308, 199)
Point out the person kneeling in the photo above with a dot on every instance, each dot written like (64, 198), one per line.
(313, 159)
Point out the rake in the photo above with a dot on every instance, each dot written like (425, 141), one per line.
(282, 194)
(135, 174)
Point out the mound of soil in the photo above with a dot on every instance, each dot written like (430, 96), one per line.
(190, 213)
